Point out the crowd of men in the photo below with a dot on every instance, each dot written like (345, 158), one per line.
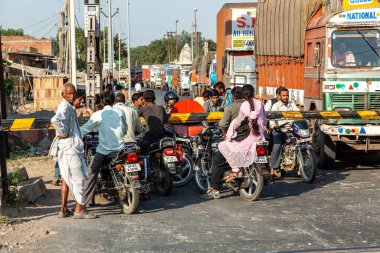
(117, 123)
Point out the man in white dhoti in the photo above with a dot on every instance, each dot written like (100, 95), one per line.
(70, 154)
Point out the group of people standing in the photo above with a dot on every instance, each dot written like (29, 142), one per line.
(117, 124)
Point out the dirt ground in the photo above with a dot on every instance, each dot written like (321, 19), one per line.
(27, 220)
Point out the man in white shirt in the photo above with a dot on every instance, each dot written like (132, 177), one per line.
(133, 121)
(112, 129)
(70, 154)
(138, 87)
(278, 136)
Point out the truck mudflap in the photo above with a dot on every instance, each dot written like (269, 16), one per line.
(351, 130)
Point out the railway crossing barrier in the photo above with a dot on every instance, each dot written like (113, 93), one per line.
(26, 124)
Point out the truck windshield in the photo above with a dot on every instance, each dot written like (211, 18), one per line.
(356, 48)
(244, 63)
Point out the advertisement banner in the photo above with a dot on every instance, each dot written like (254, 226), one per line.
(243, 22)
(358, 4)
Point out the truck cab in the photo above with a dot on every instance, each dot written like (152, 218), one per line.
(347, 64)
(239, 68)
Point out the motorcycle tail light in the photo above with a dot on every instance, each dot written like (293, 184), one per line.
(168, 151)
(131, 158)
(178, 152)
(118, 166)
(261, 150)
(136, 178)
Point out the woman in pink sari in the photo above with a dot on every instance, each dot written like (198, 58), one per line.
(242, 154)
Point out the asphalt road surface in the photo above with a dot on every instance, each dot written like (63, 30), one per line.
(339, 212)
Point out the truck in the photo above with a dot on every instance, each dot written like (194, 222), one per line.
(185, 81)
(145, 75)
(235, 42)
(329, 59)
(156, 76)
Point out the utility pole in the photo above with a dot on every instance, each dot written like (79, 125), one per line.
(119, 57)
(73, 65)
(110, 52)
(170, 47)
(93, 54)
(192, 43)
(61, 39)
(196, 33)
(176, 40)
(3, 156)
(129, 54)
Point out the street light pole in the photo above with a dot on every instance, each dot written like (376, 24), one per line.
(110, 53)
(129, 54)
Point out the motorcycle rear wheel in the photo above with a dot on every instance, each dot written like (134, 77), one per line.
(255, 186)
(165, 186)
(131, 201)
(309, 170)
(185, 172)
(202, 181)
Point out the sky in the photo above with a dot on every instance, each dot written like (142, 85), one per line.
(150, 19)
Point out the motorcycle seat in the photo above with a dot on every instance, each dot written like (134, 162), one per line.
(155, 146)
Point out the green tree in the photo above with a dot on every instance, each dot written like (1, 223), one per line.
(11, 32)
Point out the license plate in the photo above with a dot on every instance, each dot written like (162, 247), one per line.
(132, 167)
(170, 159)
(304, 140)
(262, 159)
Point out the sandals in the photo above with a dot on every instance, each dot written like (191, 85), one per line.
(66, 214)
(210, 194)
(85, 215)
(230, 177)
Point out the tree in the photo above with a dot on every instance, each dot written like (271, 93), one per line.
(11, 32)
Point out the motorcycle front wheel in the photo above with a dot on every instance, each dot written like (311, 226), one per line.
(255, 185)
(309, 170)
(184, 172)
(202, 181)
(131, 198)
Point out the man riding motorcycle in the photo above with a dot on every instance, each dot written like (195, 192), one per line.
(278, 136)
(170, 100)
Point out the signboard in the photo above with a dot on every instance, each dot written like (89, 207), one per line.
(363, 15)
(243, 22)
(359, 4)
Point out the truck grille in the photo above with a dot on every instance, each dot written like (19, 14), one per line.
(374, 102)
(353, 101)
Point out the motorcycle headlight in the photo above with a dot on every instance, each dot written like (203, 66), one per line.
(304, 133)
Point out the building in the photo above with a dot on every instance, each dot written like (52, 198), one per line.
(22, 43)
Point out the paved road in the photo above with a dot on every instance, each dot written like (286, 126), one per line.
(338, 213)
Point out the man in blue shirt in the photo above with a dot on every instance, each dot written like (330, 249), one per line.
(112, 129)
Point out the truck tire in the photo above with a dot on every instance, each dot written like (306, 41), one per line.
(325, 149)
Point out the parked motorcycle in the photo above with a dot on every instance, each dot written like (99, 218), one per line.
(249, 185)
(184, 169)
(297, 151)
(120, 178)
(160, 160)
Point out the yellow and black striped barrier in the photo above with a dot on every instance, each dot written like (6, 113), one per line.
(192, 118)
